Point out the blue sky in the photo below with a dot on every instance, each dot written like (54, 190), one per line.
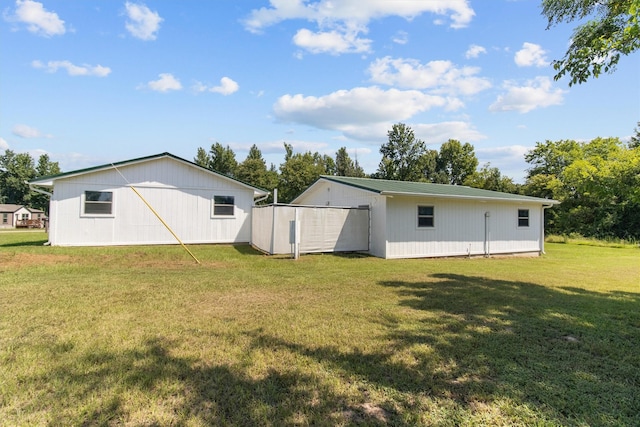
(91, 82)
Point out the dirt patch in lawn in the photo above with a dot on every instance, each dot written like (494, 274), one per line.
(27, 260)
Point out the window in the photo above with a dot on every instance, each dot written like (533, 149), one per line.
(98, 202)
(5, 218)
(425, 216)
(223, 205)
(523, 217)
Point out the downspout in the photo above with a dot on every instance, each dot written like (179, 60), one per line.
(542, 228)
(46, 193)
(261, 199)
(487, 235)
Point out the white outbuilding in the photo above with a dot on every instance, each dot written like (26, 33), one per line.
(145, 201)
(416, 219)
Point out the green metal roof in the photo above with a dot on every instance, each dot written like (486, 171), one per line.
(47, 181)
(407, 188)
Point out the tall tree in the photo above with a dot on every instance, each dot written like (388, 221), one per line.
(345, 166)
(401, 155)
(253, 170)
(596, 45)
(45, 167)
(489, 178)
(15, 171)
(222, 159)
(597, 183)
(635, 139)
(202, 158)
(298, 171)
(457, 161)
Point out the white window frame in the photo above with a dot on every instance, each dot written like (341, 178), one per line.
(522, 217)
(83, 205)
(214, 204)
(432, 216)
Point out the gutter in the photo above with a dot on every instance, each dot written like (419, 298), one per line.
(37, 190)
(261, 199)
(456, 196)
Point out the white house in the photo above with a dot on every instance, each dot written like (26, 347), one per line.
(414, 219)
(148, 200)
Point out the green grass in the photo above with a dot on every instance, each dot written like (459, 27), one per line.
(145, 336)
(578, 239)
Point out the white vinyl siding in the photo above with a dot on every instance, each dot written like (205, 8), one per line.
(180, 193)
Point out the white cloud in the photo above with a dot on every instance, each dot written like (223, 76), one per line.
(430, 133)
(341, 23)
(537, 93)
(474, 51)
(531, 55)
(73, 70)
(323, 11)
(37, 18)
(334, 42)
(401, 37)
(439, 76)
(227, 87)
(27, 132)
(165, 83)
(142, 23)
(508, 159)
(360, 106)
(4, 145)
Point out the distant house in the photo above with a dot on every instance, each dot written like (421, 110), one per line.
(16, 216)
(116, 204)
(415, 219)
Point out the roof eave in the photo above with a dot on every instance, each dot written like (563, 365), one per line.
(479, 198)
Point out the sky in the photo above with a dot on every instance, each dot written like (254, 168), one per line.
(98, 81)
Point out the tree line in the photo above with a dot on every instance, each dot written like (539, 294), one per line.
(597, 182)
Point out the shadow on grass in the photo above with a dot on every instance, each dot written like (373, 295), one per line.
(24, 244)
(570, 354)
(566, 356)
(192, 392)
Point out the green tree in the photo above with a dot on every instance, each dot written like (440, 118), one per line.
(597, 183)
(253, 170)
(596, 45)
(202, 158)
(489, 178)
(45, 167)
(635, 139)
(457, 161)
(222, 160)
(15, 171)
(298, 171)
(347, 167)
(401, 155)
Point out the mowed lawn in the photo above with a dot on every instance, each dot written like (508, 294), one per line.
(144, 336)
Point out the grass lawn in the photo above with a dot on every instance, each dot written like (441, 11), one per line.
(145, 336)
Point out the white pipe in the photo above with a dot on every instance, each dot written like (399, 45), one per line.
(542, 227)
(37, 190)
(261, 199)
(296, 240)
(487, 234)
